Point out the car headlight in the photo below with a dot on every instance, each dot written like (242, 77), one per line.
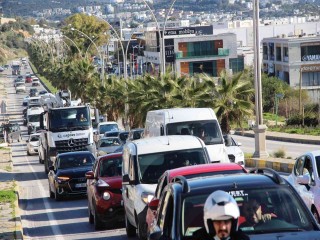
(62, 179)
(146, 197)
(106, 196)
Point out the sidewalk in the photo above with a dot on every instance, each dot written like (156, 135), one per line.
(10, 222)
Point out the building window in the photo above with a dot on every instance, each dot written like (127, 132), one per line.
(271, 51)
(310, 79)
(278, 54)
(285, 54)
(265, 51)
(310, 53)
(236, 64)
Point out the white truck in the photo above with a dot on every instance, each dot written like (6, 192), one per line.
(33, 118)
(200, 122)
(67, 128)
(16, 67)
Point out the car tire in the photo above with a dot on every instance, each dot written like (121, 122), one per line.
(316, 215)
(98, 224)
(91, 218)
(130, 229)
(142, 231)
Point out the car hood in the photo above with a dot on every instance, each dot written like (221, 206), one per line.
(74, 172)
(114, 182)
(108, 149)
(314, 235)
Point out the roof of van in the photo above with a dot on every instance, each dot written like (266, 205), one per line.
(34, 110)
(186, 114)
(106, 123)
(167, 143)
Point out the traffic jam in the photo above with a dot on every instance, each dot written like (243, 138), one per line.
(178, 177)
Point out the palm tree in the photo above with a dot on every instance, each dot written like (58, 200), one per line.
(232, 101)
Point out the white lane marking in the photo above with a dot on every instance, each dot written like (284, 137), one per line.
(53, 223)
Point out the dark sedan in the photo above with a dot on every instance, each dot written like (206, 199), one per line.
(67, 175)
(104, 191)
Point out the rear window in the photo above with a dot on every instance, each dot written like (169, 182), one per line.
(282, 205)
(152, 166)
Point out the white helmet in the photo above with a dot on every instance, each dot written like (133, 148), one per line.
(220, 205)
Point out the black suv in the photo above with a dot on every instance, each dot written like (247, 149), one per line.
(180, 210)
(33, 92)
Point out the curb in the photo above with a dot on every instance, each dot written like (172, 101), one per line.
(281, 138)
(18, 231)
(279, 165)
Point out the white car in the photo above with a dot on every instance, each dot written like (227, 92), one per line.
(33, 144)
(20, 87)
(305, 178)
(235, 153)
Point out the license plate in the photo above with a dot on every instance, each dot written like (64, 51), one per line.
(79, 185)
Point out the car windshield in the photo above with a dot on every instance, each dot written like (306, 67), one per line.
(70, 119)
(34, 118)
(109, 142)
(152, 166)
(73, 161)
(208, 131)
(34, 138)
(108, 127)
(111, 167)
(285, 211)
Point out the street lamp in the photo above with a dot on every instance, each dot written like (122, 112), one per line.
(102, 65)
(125, 72)
(160, 38)
(72, 43)
(259, 129)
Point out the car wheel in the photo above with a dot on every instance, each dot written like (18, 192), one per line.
(91, 218)
(57, 196)
(130, 229)
(316, 215)
(142, 231)
(98, 224)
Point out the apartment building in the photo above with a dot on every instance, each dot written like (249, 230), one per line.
(295, 60)
(207, 54)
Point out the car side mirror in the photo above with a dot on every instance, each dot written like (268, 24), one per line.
(305, 179)
(89, 175)
(126, 179)
(227, 140)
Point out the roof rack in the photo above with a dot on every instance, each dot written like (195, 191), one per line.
(269, 172)
(183, 181)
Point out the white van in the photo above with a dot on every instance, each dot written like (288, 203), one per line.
(33, 119)
(105, 127)
(200, 122)
(144, 161)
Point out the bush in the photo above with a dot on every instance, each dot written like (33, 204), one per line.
(280, 153)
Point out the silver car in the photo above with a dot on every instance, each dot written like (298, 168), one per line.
(108, 145)
(33, 144)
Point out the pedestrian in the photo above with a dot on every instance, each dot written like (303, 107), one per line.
(220, 215)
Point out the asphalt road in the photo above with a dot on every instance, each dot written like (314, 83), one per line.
(292, 150)
(44, 218)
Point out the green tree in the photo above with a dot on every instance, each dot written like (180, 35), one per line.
(232, 101)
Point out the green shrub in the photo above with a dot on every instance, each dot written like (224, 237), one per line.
(280, 153)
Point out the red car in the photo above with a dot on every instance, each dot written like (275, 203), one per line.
(104, 185)
(188, 172)
(28, 79)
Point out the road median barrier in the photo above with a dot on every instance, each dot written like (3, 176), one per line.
(278, 164)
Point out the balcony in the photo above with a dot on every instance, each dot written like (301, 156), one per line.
(222, 52)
